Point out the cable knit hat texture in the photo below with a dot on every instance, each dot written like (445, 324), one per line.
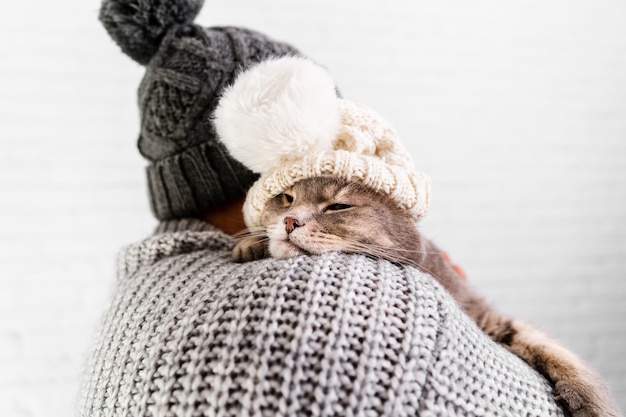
(283, 120)
(187, 67)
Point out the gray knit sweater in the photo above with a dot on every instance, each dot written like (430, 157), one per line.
(190, 333)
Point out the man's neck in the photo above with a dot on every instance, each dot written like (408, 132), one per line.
(228, 217)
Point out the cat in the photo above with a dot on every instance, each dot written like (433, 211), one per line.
(324, 214)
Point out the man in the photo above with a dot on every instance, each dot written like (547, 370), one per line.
(190, 333)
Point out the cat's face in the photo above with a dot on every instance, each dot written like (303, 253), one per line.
(325, 214)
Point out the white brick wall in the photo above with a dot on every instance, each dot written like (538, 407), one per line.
(516, 110)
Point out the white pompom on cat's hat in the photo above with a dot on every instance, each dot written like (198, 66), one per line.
(283, 119)
(278, 111)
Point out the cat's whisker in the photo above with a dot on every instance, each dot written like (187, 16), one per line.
(251, 232)
(325, 242)
(380, 252)
(394, 249)
(397, 249)
(389, 254)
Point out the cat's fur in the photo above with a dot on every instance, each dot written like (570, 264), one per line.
(328, 214)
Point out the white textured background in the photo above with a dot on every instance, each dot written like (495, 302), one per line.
(517, 110)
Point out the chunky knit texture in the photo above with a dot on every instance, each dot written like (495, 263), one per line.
(190, 333)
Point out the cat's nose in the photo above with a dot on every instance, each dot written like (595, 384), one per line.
(291, 223)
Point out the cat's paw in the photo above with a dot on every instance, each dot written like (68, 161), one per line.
(250, 249)
(581, 402)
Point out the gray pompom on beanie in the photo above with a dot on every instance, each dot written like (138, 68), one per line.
(187, 68)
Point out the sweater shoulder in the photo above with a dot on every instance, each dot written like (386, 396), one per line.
(379, 337)
(172, 239)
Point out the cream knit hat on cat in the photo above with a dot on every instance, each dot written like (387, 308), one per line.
(282, 119)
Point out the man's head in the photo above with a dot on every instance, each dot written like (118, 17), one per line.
(187, 67)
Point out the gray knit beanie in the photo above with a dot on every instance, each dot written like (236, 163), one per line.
(187, 67)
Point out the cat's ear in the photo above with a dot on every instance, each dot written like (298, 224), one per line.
(280, 109)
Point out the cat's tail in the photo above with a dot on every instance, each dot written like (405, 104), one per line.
(576, 385)
(138, 26)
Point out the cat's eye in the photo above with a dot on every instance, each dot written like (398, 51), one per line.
(337, 207)
(286, 199)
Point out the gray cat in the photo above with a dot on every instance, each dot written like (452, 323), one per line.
(326, 214)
